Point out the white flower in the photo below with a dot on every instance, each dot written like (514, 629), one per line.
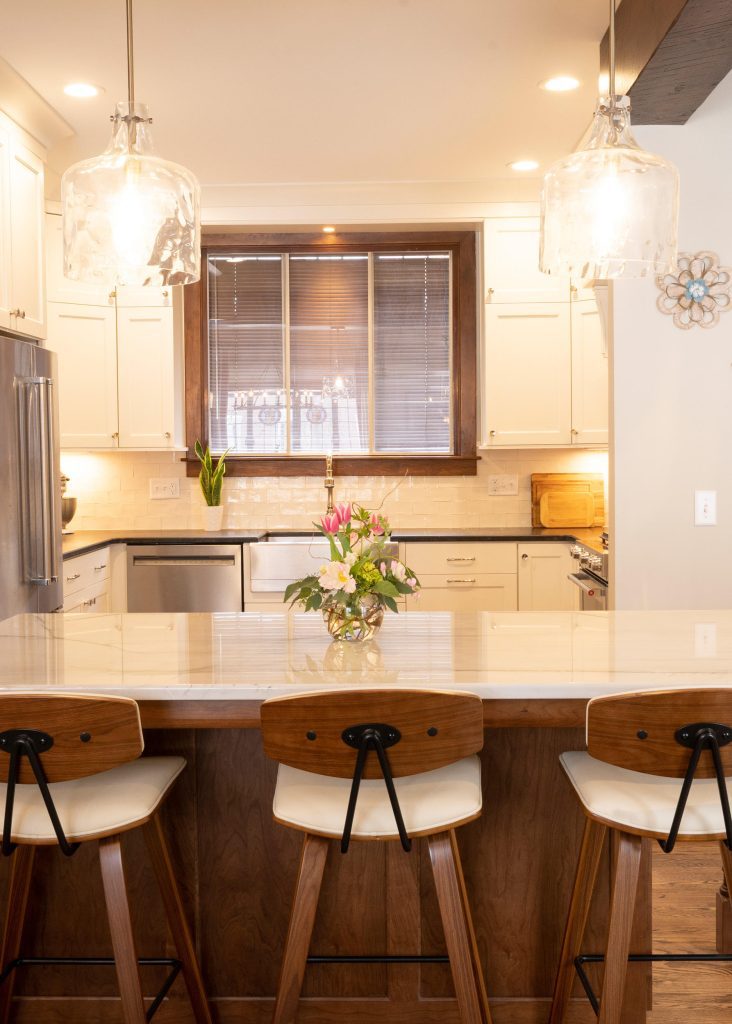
(337, 576)
(350, 559)
(398, 571)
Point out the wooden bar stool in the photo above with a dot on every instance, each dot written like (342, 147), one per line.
(75, 776)
(378, 765)
(639, 745)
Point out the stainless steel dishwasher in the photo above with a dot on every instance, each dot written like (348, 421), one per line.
(184, 578)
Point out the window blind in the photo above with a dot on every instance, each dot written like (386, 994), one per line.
(247, 411)
(412, 347)
(329, 352)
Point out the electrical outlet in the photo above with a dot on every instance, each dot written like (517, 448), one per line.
(505, 483)
(705, 508)
(705, 639)
(165, 487)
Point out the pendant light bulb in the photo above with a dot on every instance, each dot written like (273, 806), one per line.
(130, 217)
(610, 210)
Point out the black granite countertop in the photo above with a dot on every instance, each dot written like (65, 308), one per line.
(90, 540)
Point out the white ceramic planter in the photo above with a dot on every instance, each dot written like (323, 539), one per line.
(213, 517)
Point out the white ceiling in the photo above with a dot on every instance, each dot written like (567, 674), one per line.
(253, 91)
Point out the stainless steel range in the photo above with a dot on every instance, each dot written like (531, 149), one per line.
(591, 576)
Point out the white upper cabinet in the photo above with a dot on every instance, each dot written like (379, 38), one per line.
(589, 375)
(5, 305)
(511, 263)
(27, 266)
(85, 340)
(22, 231)
(146, 368)
(60, 288)
(527, 374)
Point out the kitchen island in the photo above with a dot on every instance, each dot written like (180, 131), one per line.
(200, 680)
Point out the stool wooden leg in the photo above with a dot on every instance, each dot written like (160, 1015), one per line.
(622, 911)
(474, 953)
(593, 841)
(21, 870)
(454, 925)
(120, 926)
(160, 857)
(302, 919)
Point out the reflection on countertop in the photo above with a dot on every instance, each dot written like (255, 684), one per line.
(252, 656)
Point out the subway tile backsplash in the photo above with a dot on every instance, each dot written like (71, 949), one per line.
(113, 491)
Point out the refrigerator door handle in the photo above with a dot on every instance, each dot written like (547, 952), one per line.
(37, 483)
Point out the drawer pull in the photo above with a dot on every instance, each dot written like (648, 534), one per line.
(98, 568)
(70, 579)
(471, 580)
(466, 559)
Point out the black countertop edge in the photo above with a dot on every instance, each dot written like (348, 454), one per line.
(100, 539)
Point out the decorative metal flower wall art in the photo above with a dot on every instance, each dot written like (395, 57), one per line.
(698, 292)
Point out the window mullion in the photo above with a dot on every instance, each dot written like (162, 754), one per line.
(372, 395)
(286, 345)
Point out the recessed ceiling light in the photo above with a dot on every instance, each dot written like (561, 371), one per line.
(329, 230)
(82, 90)
(560, 83)
(524, 165)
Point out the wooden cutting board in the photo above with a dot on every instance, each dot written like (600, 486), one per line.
(567, 499)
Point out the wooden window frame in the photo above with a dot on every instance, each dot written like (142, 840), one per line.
(461, 462)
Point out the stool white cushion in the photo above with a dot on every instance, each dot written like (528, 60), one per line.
(430, 802)
(644, 803)
(97, 805)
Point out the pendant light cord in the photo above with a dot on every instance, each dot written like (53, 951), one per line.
(130, 58)
(611, 73)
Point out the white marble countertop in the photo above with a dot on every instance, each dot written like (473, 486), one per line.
(508, 655)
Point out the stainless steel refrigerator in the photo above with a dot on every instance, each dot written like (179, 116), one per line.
(30, 489)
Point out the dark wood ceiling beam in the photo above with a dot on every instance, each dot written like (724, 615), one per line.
(670, 55)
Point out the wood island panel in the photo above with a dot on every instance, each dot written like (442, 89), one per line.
(237, 871)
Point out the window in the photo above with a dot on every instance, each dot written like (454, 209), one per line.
(360, 347)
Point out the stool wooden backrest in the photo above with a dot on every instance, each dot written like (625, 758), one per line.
(307, 731)
(640, 731)
(90, 733)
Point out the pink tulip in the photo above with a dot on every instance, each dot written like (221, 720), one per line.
(383, 569)
(343, 512)
(331, 523)
(376, 526)
(411, 582)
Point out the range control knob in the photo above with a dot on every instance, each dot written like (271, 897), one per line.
(595, 562)
(575, 551)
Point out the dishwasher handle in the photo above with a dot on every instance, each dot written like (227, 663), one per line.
(205, 561)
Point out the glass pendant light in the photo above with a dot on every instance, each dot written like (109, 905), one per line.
(611, 209)
(130, 217)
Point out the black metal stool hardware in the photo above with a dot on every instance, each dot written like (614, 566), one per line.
(101, 961)
(387, 958)
(373, 736)
(699, 737)
(31, 742)
(641, 958)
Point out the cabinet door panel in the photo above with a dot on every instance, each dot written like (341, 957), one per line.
(85, 339)
(145, 351)
(27, 268)
(60, 288)
(4, 229)
(511, 259)
(589, 375)
(460, 557)
(542, 578)
(527, 374)
(494, 592)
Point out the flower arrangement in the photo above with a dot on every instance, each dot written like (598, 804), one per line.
(362, 577)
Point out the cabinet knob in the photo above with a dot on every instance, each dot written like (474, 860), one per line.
(489, 293)
(115, 435)
(15, 312)
(112, 295)
(574, 432)
(167, 434)
(21, 314)
(524, 558)
(492, 433)
(165, 293)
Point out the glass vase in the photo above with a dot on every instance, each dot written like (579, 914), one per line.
(359, 620)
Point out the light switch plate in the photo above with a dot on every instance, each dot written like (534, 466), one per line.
(165, 487)
(504, 483)
(705, 508)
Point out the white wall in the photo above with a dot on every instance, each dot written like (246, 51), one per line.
(672, 401)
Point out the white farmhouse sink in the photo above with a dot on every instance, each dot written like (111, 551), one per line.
(277, 561)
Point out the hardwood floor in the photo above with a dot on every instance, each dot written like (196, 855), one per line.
(685, 885)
